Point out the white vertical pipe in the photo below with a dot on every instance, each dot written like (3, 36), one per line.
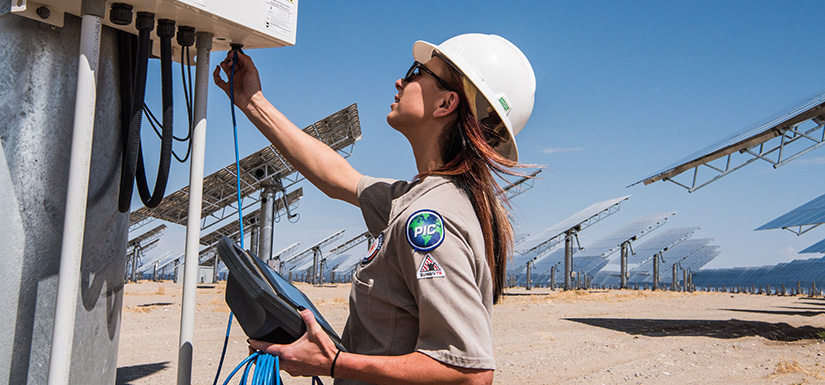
(193, 222)
(71, 251)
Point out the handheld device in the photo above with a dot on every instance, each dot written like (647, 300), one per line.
(264, 303)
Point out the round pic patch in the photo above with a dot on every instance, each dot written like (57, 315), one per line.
(425, 230)
(374, 249)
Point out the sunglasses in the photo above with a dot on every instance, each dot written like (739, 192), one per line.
(416, 69)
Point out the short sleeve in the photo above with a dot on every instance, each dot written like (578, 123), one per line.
(455, 326)
(375, 196)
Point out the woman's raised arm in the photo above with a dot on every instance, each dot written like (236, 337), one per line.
(320, 164)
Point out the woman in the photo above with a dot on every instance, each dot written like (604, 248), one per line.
(421, 301)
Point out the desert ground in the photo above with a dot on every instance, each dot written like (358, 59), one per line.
(541, 336)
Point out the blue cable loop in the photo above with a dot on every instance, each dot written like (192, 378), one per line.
(277, 371)
(235, 130)
(246, 361)
(267, 370)
(264, 363)
(223, 352)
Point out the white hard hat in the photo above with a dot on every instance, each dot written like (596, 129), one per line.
(499, 70)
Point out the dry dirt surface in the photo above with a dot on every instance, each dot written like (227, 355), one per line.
(541, 336)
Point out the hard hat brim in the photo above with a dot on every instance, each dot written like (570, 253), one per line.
(423, 51)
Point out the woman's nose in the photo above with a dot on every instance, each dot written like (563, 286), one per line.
(399, 84)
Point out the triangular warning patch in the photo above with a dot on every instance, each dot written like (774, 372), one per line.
(429, 268)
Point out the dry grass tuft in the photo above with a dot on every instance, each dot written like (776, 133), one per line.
(332, 301)
(161, 290)
(136, 309)
(792, 367)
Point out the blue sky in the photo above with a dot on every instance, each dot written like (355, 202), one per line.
(623, 90)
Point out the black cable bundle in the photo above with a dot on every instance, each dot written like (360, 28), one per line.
(166, 30)
(133, 91)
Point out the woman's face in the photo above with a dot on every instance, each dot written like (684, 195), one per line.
(417, 98)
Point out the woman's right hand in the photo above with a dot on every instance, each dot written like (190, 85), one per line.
(246, 82)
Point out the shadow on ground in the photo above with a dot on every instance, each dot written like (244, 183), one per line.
(522, 294)
(812, 301)
(807, 313)
(127, 374)
(726, 329)
(156, 304)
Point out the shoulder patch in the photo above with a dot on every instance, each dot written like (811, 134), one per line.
(425, 230)
(374, 249)
(429, 268)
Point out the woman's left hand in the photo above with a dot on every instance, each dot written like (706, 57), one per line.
(310, 355)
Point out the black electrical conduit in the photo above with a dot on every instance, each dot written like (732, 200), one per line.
(166, 30)
(186, 38)
(132, 109)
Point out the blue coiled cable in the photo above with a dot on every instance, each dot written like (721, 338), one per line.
(266, 370)
(267, 367)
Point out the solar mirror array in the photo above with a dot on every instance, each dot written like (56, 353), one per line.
(535, 248)
(138, 246)
(340, 131)
(801, 219)
(262, 169)
(312, 274)
(594, 258)
(778, 140)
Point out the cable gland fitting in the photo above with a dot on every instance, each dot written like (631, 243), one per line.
(186, 36)
(121, 14)
(166, 28)
(145, 21)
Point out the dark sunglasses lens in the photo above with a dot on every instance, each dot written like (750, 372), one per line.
(411, 72)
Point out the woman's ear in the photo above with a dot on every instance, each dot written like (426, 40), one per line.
(448, 104)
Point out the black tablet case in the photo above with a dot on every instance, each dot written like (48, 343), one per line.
(264, 303)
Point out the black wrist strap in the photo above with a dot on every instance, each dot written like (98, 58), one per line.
(332, 368)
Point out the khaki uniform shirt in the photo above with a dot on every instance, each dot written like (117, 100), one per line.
(425, 284)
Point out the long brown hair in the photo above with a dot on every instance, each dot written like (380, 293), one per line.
(473, 163)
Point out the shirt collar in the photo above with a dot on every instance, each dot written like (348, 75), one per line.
(419, 188)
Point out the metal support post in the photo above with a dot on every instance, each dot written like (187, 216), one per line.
(74, 224)
(215, 268)
(623, 279)
(675, 282)
(321, 271)
(193, 224)
(528, 284)
(133, 266)
(685, 280)
(254, 238)
(314, 269)
(568, 259)
(553, 278)
(265, 223)
(656, 270)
